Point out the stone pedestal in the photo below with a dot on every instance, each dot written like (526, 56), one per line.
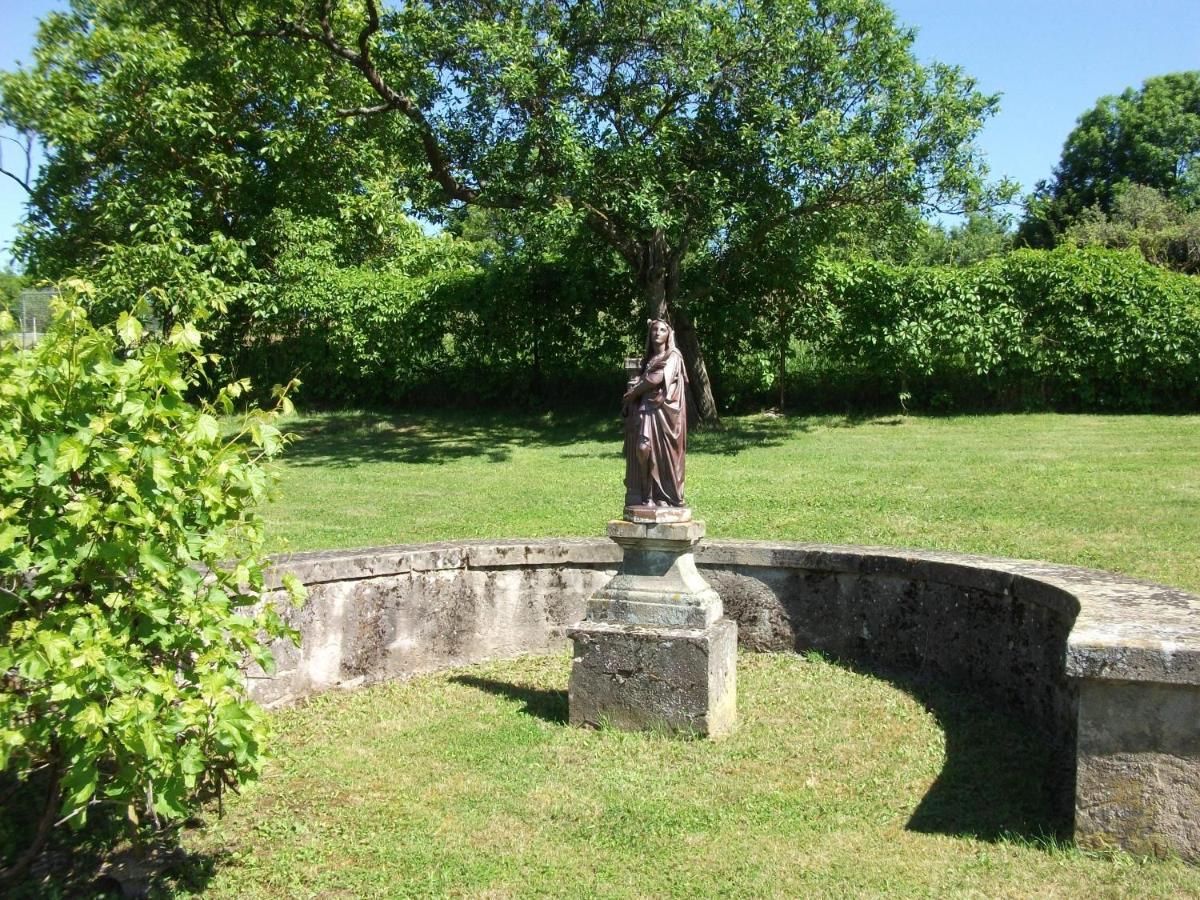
(655, 651)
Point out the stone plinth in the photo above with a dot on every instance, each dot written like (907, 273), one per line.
(654, 515)
(655, 651)
(672, 679)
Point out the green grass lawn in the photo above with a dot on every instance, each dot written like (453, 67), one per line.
(835, 783)
(1112, 492)
(471, 784)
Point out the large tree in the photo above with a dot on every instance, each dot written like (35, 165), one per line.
(1149, 136)
(667, 127)
(171, 151)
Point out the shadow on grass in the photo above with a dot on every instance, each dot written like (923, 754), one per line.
(347, 439)
(1003, 777)
(95, 861)
(542, 703)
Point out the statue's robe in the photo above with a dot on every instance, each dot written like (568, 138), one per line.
(656, 435)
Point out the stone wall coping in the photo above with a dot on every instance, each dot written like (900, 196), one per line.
(324, 566)
(1125, 629)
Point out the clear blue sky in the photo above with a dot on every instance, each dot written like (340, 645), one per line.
(1050, 60)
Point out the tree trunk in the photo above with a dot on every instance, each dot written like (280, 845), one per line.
(689, 346)
(782, 369)
(656, 269)
(653, 276)
(22, 864)
(655, 292)
(660, 287)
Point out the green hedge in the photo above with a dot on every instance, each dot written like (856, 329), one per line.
(1067, 328)
(1033, 329)
(350, 335)
(511, 334)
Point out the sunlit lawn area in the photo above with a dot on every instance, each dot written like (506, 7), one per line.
(1112, 492)
(471, 784)
(836, 782)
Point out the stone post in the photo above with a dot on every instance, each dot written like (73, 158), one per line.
(655, 651)
(1137, 784)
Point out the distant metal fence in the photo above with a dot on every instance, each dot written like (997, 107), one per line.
(31, 312)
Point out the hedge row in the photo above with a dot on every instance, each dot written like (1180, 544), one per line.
(1074, 329)
(1067, 329)
(506, 334)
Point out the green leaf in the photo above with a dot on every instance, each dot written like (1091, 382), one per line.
(71, 455)
(185, 336)
(79, 784)
(206, 428)
(149, 556)
(10, 740)
(129, 329)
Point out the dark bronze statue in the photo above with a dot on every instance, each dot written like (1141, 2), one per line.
(655, 411)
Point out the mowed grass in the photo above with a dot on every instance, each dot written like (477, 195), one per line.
(836, 782)
(471, 784)
(1112, 492)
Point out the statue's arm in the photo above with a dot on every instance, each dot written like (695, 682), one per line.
(636, 390)
(645, 384)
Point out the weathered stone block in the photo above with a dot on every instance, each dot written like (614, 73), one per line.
(658, 584)
(674, 680)
(1138, 776)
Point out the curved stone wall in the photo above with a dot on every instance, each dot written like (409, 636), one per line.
(1109, 667)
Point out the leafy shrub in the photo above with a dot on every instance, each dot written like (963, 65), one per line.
(1090, 328)
(908, 323)
(1068, 329)
(130, 574)
(355, 331)
(1102, 328)
(548, 329)
(1164, 232)
(354, 335)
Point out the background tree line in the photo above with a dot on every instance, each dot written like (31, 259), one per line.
(461, 202)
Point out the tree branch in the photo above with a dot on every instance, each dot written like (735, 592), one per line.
(440, 169)
(362, 111)
(27, 149)
(602, 225)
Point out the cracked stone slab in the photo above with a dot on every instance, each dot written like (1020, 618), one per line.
(679, 681)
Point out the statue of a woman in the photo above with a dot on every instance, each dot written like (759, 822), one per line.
(655, 407)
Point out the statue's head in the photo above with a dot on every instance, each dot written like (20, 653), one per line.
(660, 337)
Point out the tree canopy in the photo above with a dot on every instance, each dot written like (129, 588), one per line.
(1142, 218)
(683, 135)
(171, 153)
(667, 127)
(1149, 136)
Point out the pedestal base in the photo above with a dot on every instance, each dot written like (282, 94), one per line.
(681, 681)
(656, 515)
(658, 585)
(655, 651)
